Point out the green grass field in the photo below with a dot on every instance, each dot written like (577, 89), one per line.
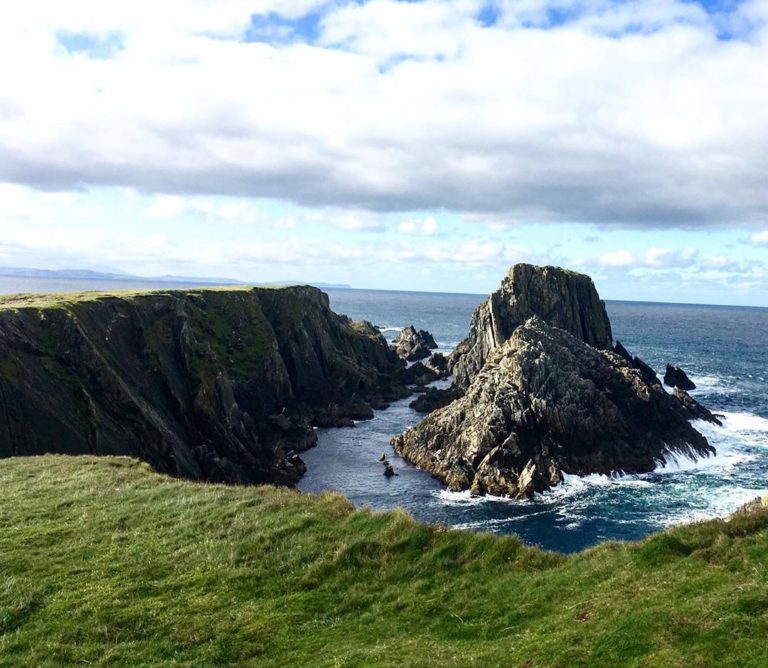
(103, 562)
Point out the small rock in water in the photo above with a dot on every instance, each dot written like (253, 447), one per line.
(388, 470)
(413, 344)
(676, 377)
(382, 457)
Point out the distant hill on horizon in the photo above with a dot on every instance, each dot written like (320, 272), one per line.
(89, 274)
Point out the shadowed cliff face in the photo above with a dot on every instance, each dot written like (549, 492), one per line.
(212, 385)
(561, 298)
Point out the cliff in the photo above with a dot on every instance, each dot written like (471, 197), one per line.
(541, 392)
(562, 298)
(545, 403)
(217, 385)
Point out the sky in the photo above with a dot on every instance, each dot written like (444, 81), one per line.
(416, 145)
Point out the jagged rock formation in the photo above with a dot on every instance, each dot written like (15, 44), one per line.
(207, 384)
(694, 409)
(438, 363)
(546, 403)
(647, 372)
(674, 376)
(562, 298)
(413, 345)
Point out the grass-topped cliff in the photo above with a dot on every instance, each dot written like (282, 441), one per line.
(211, 384)
(103, 562)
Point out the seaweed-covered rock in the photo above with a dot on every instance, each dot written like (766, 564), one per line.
(561, 298)
(547, 403)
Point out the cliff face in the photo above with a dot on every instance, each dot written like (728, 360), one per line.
(208, 384)
(546, 403)
(562, 298)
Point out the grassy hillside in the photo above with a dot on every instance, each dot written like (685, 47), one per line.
(103, 562)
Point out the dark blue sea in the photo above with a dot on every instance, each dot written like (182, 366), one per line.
(724, 350)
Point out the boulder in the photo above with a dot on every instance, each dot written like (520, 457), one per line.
(559, 297)
(674, 376)
(547, 403)
(412, 344)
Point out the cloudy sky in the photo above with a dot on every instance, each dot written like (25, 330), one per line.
(388, 144)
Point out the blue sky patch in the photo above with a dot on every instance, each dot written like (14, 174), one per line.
(96, 47)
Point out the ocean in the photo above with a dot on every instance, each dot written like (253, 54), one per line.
(724, 350)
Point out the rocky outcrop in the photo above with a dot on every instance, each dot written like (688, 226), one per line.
(674, 376)
(412, 344)
(694, 409)
(561, 298)
(218, 385)
(649, 375)
(438, 363)
(434, 398)
(547, 403)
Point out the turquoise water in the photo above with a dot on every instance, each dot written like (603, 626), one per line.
(725, 351)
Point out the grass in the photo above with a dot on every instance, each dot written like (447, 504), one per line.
(105, 563)
(65, 299)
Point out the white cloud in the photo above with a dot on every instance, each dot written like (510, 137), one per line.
(427, 227)
(760, 238)
(631, 113)
(618, 258)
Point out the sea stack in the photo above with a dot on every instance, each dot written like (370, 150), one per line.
(561, 298)
(544, 394)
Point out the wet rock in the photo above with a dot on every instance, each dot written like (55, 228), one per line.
(674, 376)
(418, 374)
(694, 409)
(388, 470)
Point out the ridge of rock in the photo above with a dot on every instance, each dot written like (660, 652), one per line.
(546, 403)
(562, 298)
(219, 385)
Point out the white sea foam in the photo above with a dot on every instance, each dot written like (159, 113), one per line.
(465, 498)
(709, 503)
(744, 422)
(387, 328)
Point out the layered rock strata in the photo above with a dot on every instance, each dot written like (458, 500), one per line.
(542, 393)
(545, 403)
(562, 298)
(218, 385)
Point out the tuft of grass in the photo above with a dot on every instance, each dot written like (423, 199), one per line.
(104, 562)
